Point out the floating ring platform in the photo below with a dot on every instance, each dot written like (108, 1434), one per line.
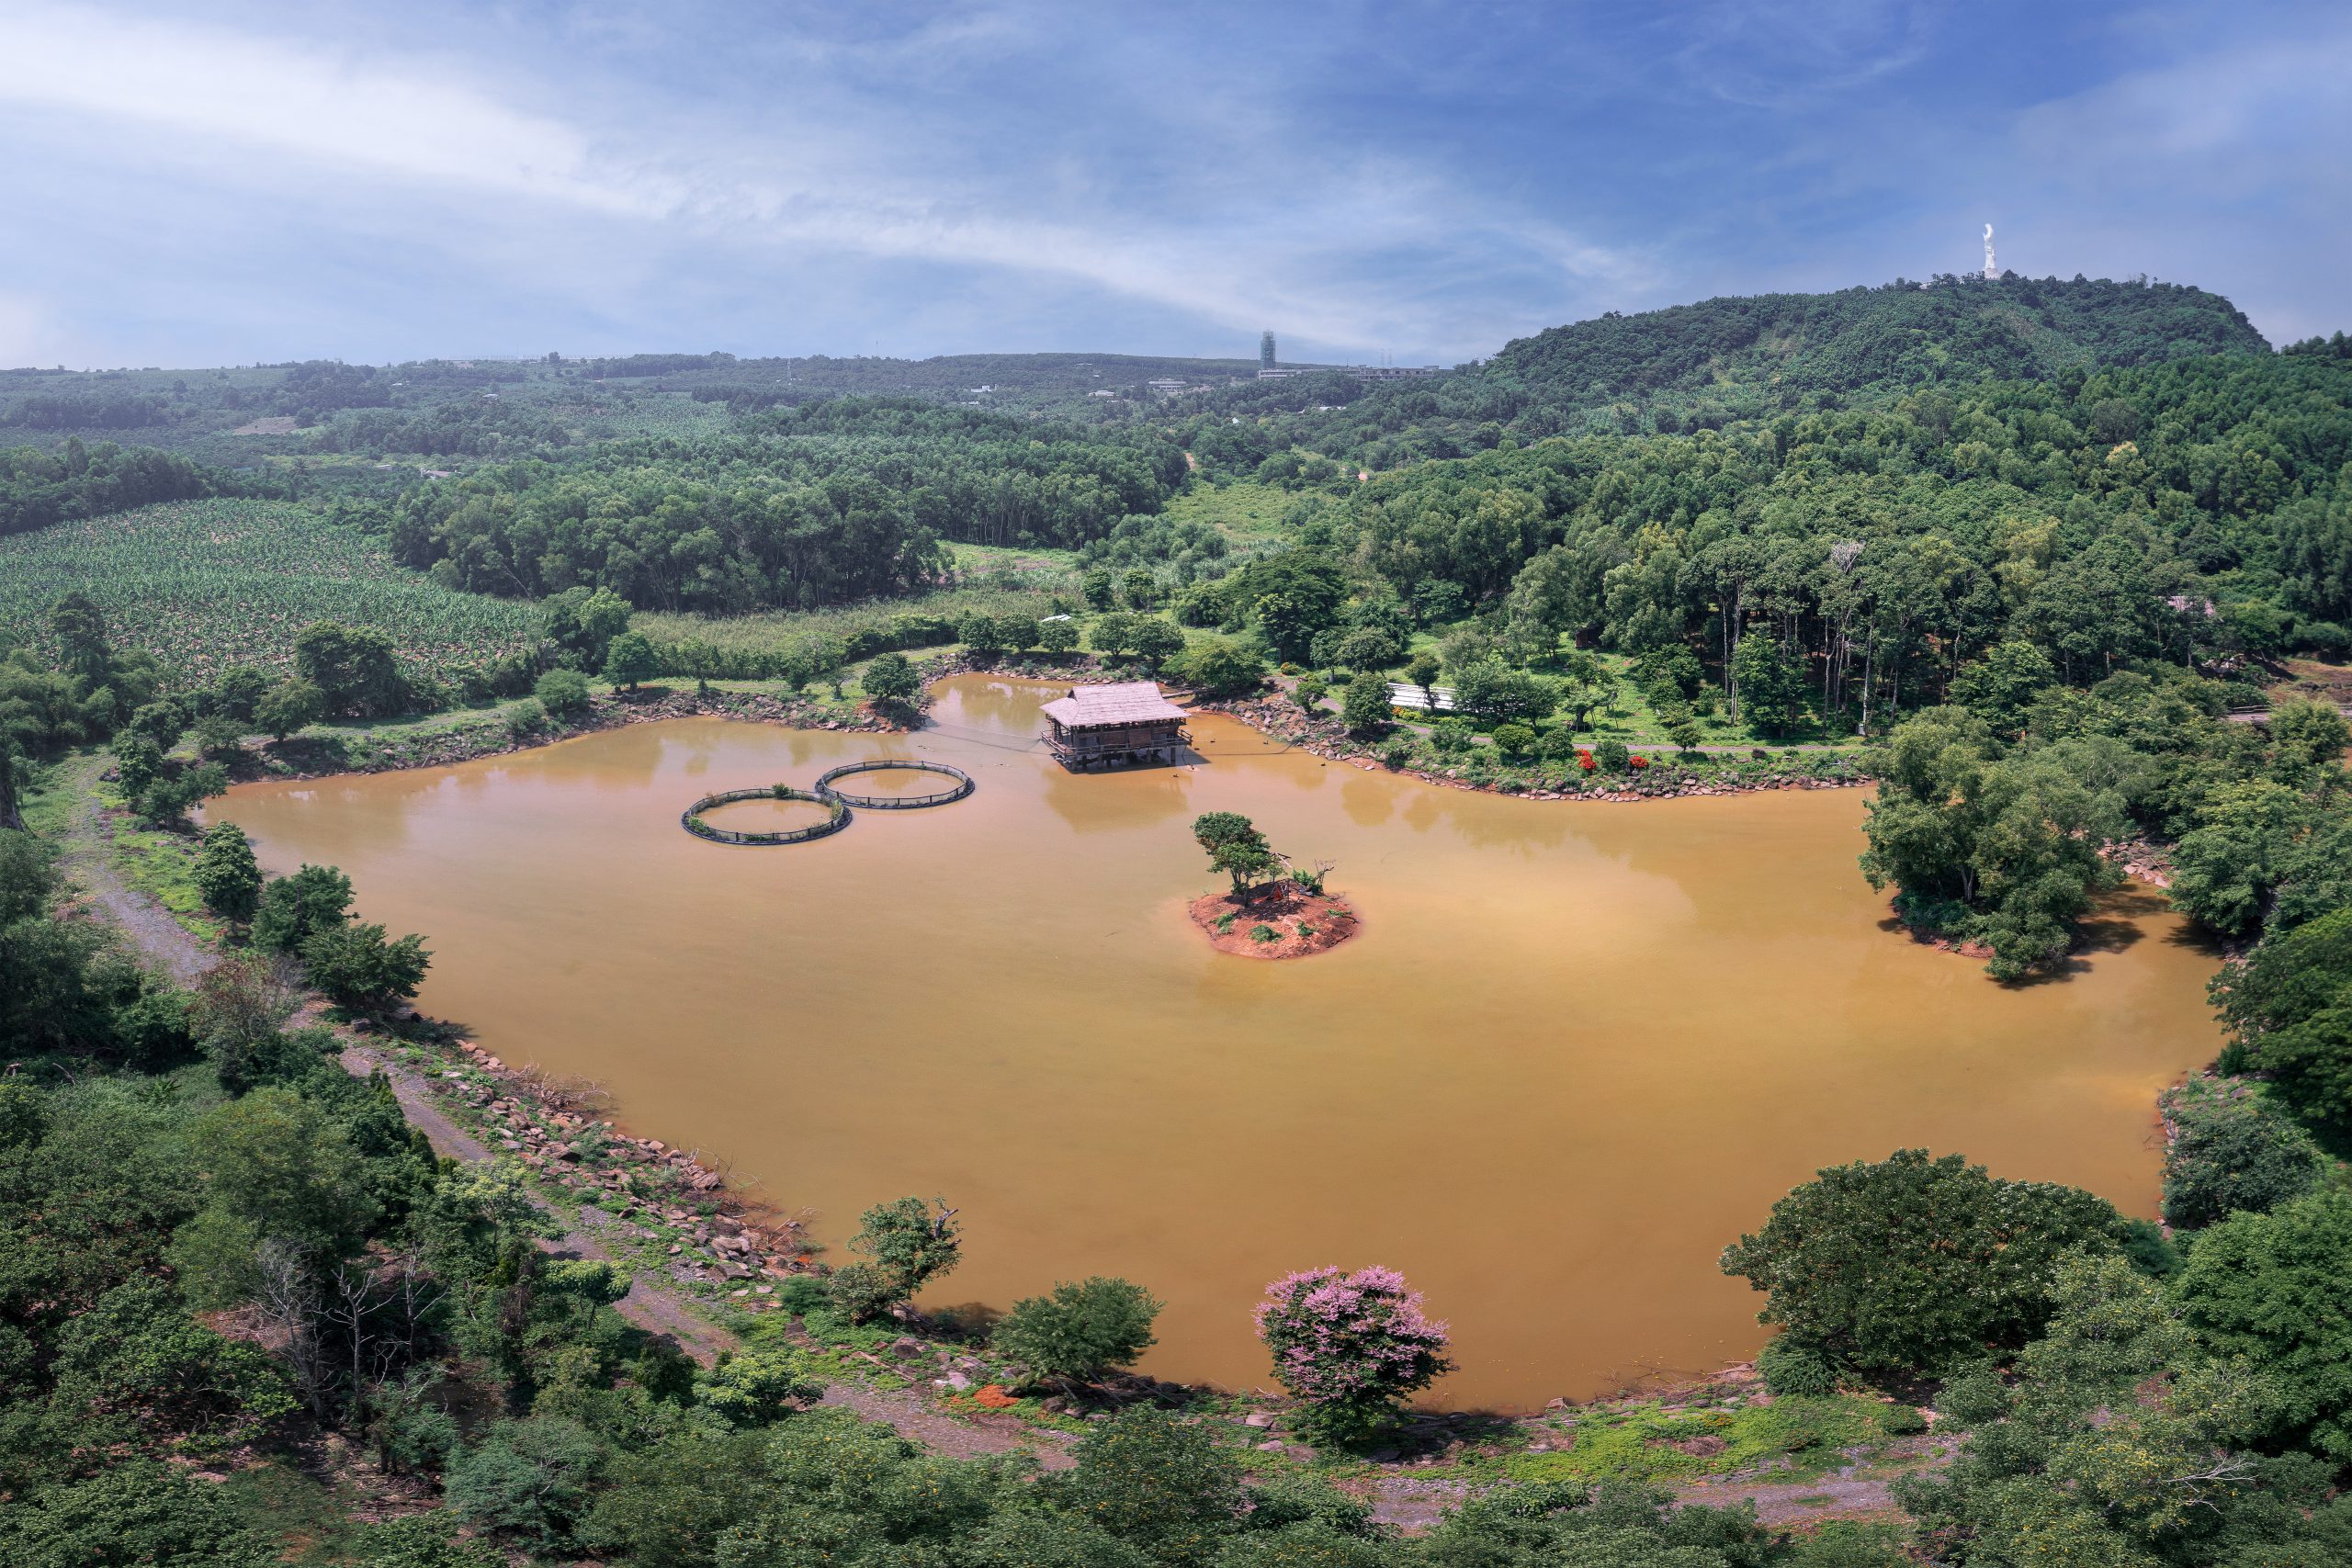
(836, 802)
(957, 791)
(837, 816)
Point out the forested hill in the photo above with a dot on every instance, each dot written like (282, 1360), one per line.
(1702, 366)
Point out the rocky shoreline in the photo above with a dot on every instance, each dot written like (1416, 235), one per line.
(1321, 734)
(297, 760)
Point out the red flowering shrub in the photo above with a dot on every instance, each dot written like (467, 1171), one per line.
(1584, 760)
(1351, 1345)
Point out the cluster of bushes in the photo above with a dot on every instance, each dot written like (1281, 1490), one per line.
(2119, 1396)
(1992, 812)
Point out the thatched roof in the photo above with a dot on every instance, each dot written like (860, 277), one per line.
(1129, 702)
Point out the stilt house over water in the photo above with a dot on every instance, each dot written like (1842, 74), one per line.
(1113, 726)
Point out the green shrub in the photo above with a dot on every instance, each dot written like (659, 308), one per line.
(226, 873)
(359, 967)
(1792, 1368)
(1264, 933)
(134, 1513)
(1850, 1543)
(1611, 756)
(1910, 1263)
(529, 1481)
(1514, 739)
(862, 1291)
(2232, 1150)
(802, 1294)
(1080, 1331)
(1902, 1420)
(526, 718)
(753, 1388)
(562, 691)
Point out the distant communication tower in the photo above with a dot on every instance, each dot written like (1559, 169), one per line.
(1990, 270)
(1266, 352)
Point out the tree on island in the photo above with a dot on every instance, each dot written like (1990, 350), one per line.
(1236, 847)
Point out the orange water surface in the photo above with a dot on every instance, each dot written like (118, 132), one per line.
(1578, 1048)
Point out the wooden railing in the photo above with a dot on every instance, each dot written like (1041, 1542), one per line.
(962, 786)
(837, 805)
(836, 818)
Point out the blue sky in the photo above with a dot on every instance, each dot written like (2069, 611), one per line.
(230, 182)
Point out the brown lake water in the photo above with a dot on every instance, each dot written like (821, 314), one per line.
(1578, 1048)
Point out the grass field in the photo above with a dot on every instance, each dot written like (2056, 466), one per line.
(206, 584)
(778, 630)
(1250, 514)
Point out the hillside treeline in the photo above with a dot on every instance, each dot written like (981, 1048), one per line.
(837, 502)
(1882, 550)
(40, 487)
(1705, 366)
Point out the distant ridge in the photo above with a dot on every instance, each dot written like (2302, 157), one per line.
(1741, 355)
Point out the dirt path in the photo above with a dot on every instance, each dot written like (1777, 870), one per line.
(912, 1415)
(448, 1139)
(146, 925)
(1845, 1496)
(1415, 1502)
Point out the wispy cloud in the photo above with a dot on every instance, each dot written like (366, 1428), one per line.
(435, 131)
(1388, 175)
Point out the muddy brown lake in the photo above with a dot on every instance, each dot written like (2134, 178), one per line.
(1578, 1048)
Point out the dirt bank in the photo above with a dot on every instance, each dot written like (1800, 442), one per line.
(1280, 922)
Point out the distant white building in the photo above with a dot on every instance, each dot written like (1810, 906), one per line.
(1432, 699)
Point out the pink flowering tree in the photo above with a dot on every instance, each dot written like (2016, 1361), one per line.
(1352, 1345)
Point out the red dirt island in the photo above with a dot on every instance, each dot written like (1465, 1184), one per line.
(1275, 910)
(1303, 923)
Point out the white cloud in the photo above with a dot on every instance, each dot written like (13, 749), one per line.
(31, 334)
(437, 128)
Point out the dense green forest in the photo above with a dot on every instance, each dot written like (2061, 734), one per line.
(1702, 366)
(2042, 547)
(839, 500)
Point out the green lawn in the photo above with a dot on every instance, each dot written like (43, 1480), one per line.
(1646, 1442)
(1249, 514)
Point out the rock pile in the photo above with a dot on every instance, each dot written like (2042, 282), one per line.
(642, 1179)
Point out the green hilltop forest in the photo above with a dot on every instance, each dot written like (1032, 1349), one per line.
(2030, 554)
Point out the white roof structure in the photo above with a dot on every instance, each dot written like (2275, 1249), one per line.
(1129, 702)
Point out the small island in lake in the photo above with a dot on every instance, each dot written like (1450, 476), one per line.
(1274, 909)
